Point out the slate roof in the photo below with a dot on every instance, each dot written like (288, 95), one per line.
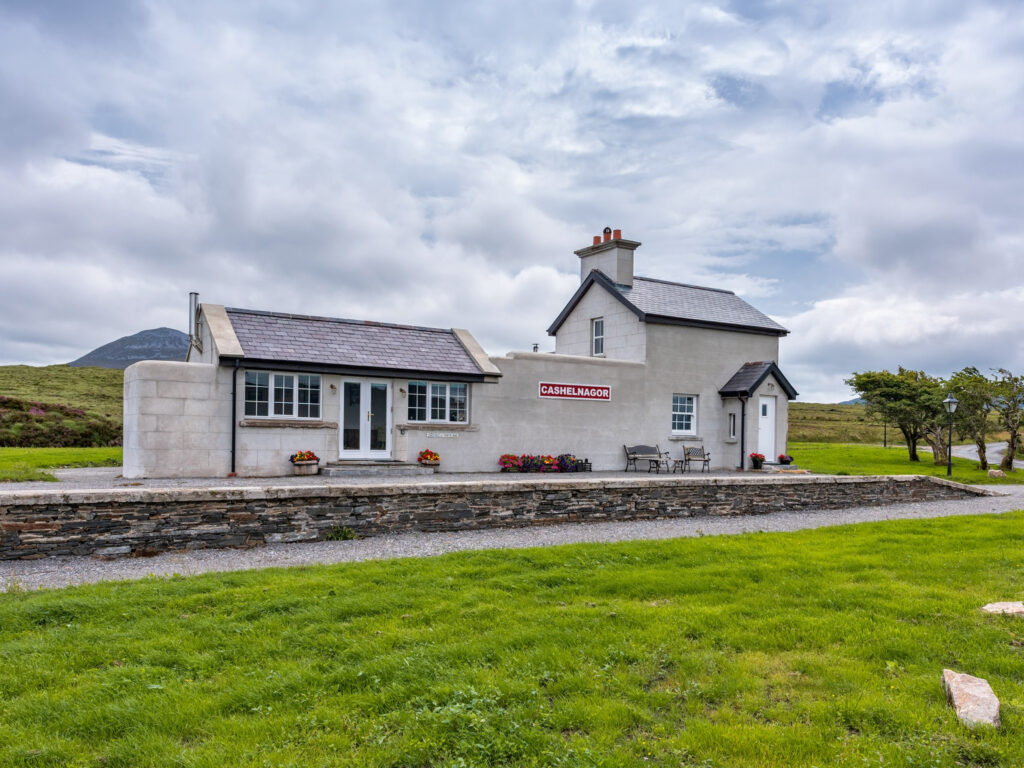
(749, 377)
(350, 344)
(660, 301)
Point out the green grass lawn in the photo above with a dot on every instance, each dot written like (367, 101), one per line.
(840, 459)
(819, 648)
(20, 464)
(97, 390)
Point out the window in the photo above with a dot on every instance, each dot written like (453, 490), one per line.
(257, 393)
(597, 334)
(684, 414)
(417, 401)
(438, 402)
(458, 402)
(732, 426)
(284, 395)
(309, 397)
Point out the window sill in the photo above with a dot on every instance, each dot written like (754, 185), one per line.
(438, 426)
(686, 438)
(291, 423)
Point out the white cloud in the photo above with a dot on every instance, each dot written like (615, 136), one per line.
(856, 171)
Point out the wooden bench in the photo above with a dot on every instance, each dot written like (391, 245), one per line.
(650, 453)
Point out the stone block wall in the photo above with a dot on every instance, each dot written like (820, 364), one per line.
(141, 522)
(176, 420)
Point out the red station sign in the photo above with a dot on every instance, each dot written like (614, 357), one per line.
(548, 389)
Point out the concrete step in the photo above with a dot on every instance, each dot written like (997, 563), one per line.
(381, 468)
(785, 469)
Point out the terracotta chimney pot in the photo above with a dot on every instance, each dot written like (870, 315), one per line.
(597, 239)
(617, 234)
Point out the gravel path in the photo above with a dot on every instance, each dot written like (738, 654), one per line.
(64, 571)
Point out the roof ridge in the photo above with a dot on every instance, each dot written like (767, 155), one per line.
(684, 285)
(321, 318)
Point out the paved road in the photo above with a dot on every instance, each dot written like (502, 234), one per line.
(993, 452)
(64, 571)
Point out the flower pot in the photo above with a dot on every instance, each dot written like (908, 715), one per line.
(785, 462)
(756, 463)
(306, 467)
(427, 463)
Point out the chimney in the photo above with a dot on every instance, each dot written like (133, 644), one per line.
(193, 322)
(611, 255)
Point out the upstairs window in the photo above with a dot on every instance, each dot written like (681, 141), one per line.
(438, 402)
(684, 414)
(282, 395)
(597, 335)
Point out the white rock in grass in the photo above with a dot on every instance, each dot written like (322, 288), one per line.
(972, 698)
(1014, 609)
(996, 473)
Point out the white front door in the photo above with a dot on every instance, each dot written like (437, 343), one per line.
(766, 428)
(365, 419)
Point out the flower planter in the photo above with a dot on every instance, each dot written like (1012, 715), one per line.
(755, 464)
(431, 463)
(306, 467)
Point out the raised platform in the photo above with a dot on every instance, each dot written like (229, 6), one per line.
(137, 521)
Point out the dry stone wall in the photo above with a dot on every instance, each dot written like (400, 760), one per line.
(141, 522)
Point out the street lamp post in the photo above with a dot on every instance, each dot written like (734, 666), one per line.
(950, 404)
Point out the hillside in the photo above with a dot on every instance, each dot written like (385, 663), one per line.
(154, 344)
(96, 391)
(836, 423)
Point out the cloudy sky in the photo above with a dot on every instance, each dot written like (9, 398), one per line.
(855, 170)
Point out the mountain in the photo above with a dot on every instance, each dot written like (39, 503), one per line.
(154, 344)
(855, 401)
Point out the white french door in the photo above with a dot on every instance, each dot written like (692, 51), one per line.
(365, 422)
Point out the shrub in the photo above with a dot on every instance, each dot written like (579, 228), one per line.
(29, 424)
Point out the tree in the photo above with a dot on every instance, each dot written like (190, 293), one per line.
(972, 419)
(912, 400)
(1008, 405)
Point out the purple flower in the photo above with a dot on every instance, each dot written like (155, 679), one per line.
(36, 412)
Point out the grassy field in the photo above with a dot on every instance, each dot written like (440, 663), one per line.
(59, 406)
(20, 464)
(834, 423)
(94, 390)
(837, 459)
(820, 648)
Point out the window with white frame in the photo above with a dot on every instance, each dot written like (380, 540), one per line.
(282, 395)
(684, 414)
(732, 426)
(438, 402)
(597, 335)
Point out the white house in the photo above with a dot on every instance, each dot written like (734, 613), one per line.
(637, 361)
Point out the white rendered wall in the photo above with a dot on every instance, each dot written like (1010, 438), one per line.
(624, 334)
(699, 361)
(176, 420)
(178, 415)
(264, 445)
